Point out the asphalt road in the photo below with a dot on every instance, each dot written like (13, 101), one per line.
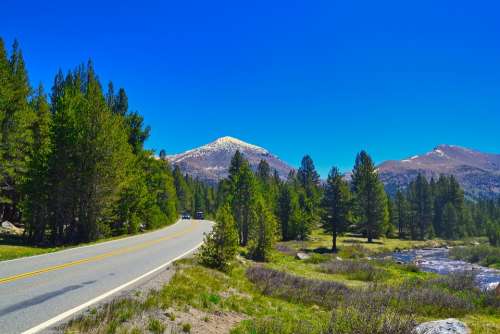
(37, 291)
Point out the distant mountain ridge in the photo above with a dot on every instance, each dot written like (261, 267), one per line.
(477, 172)
(210, 162)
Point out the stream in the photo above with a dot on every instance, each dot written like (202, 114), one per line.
(436, 260)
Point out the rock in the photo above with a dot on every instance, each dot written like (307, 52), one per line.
(8, 228)
(475, 243)
(493, 286)
(338, 258)
(447, 326)
(400, 262)
(302, 256)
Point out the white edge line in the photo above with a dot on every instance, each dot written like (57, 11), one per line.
(64, 250)
(76, 309)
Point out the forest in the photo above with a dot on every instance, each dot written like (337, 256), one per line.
(73, 164)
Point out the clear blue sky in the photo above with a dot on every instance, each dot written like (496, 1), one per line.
(327, 78)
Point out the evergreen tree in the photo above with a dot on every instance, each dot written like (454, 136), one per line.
(90, 160)
(370, 200)
(262, 232)
(420, 193)
(35, 202)
(336, 206)
(288, 211)
(221, 244)
(16, 131)
(243, 197)
(183, 191)
(401, 214)
(450, 221)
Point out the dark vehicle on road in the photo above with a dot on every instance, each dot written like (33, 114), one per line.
(186, 215)
(199, 215)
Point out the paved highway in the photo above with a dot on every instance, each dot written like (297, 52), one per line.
(38, 291)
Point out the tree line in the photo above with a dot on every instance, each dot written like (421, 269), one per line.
(257, 208)
(73, 167)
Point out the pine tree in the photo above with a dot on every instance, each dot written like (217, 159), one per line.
(336, 206)
(242, 199)
(370, 200)
(221, 244)
(450, 221)
(90, 160)
(35, 202)
(420, 193)
(183, 191)
(262, 232)
(288, 211)
(16, 134)
(401, 213)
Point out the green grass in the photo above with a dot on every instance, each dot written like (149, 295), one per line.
(211, 291)
(14, 247)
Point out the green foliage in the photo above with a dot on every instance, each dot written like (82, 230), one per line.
(76, 170)
(485, 255)
(242, 195)
(221, 244)
(370, 200)
(336, 206)
(262, 232)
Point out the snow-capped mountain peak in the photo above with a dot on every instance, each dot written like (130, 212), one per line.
(210, 162)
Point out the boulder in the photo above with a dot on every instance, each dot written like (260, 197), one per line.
(446, 326)
(493, 286)
(302, 256)
(338, 258)
(8, 228)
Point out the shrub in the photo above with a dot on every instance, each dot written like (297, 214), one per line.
(357, 270)
(370, 319)
(186, 328)
(410, 298)
(457, 281)
(483, 254)
(271, 325)
(156, 326)
(296, 288)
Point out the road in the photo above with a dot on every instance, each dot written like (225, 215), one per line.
(38, 291)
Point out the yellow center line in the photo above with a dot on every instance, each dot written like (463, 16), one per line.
(98, 257)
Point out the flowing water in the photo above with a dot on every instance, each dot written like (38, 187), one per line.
(436, 260)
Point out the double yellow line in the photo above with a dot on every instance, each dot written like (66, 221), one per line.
(98, 257)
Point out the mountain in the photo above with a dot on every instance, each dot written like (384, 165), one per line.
(477, 172)
(210, 162)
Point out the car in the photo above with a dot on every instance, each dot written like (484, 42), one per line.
(186, 216)
(199, 215)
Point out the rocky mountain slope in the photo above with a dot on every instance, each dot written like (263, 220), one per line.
(477, 172)
(210, 162)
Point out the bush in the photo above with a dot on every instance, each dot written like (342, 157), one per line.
(295, 288)
(356, 270)
(156, 326)
(483, 254)
(457, 281)
(370, 319)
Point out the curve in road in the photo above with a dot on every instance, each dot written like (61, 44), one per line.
(37, 292)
